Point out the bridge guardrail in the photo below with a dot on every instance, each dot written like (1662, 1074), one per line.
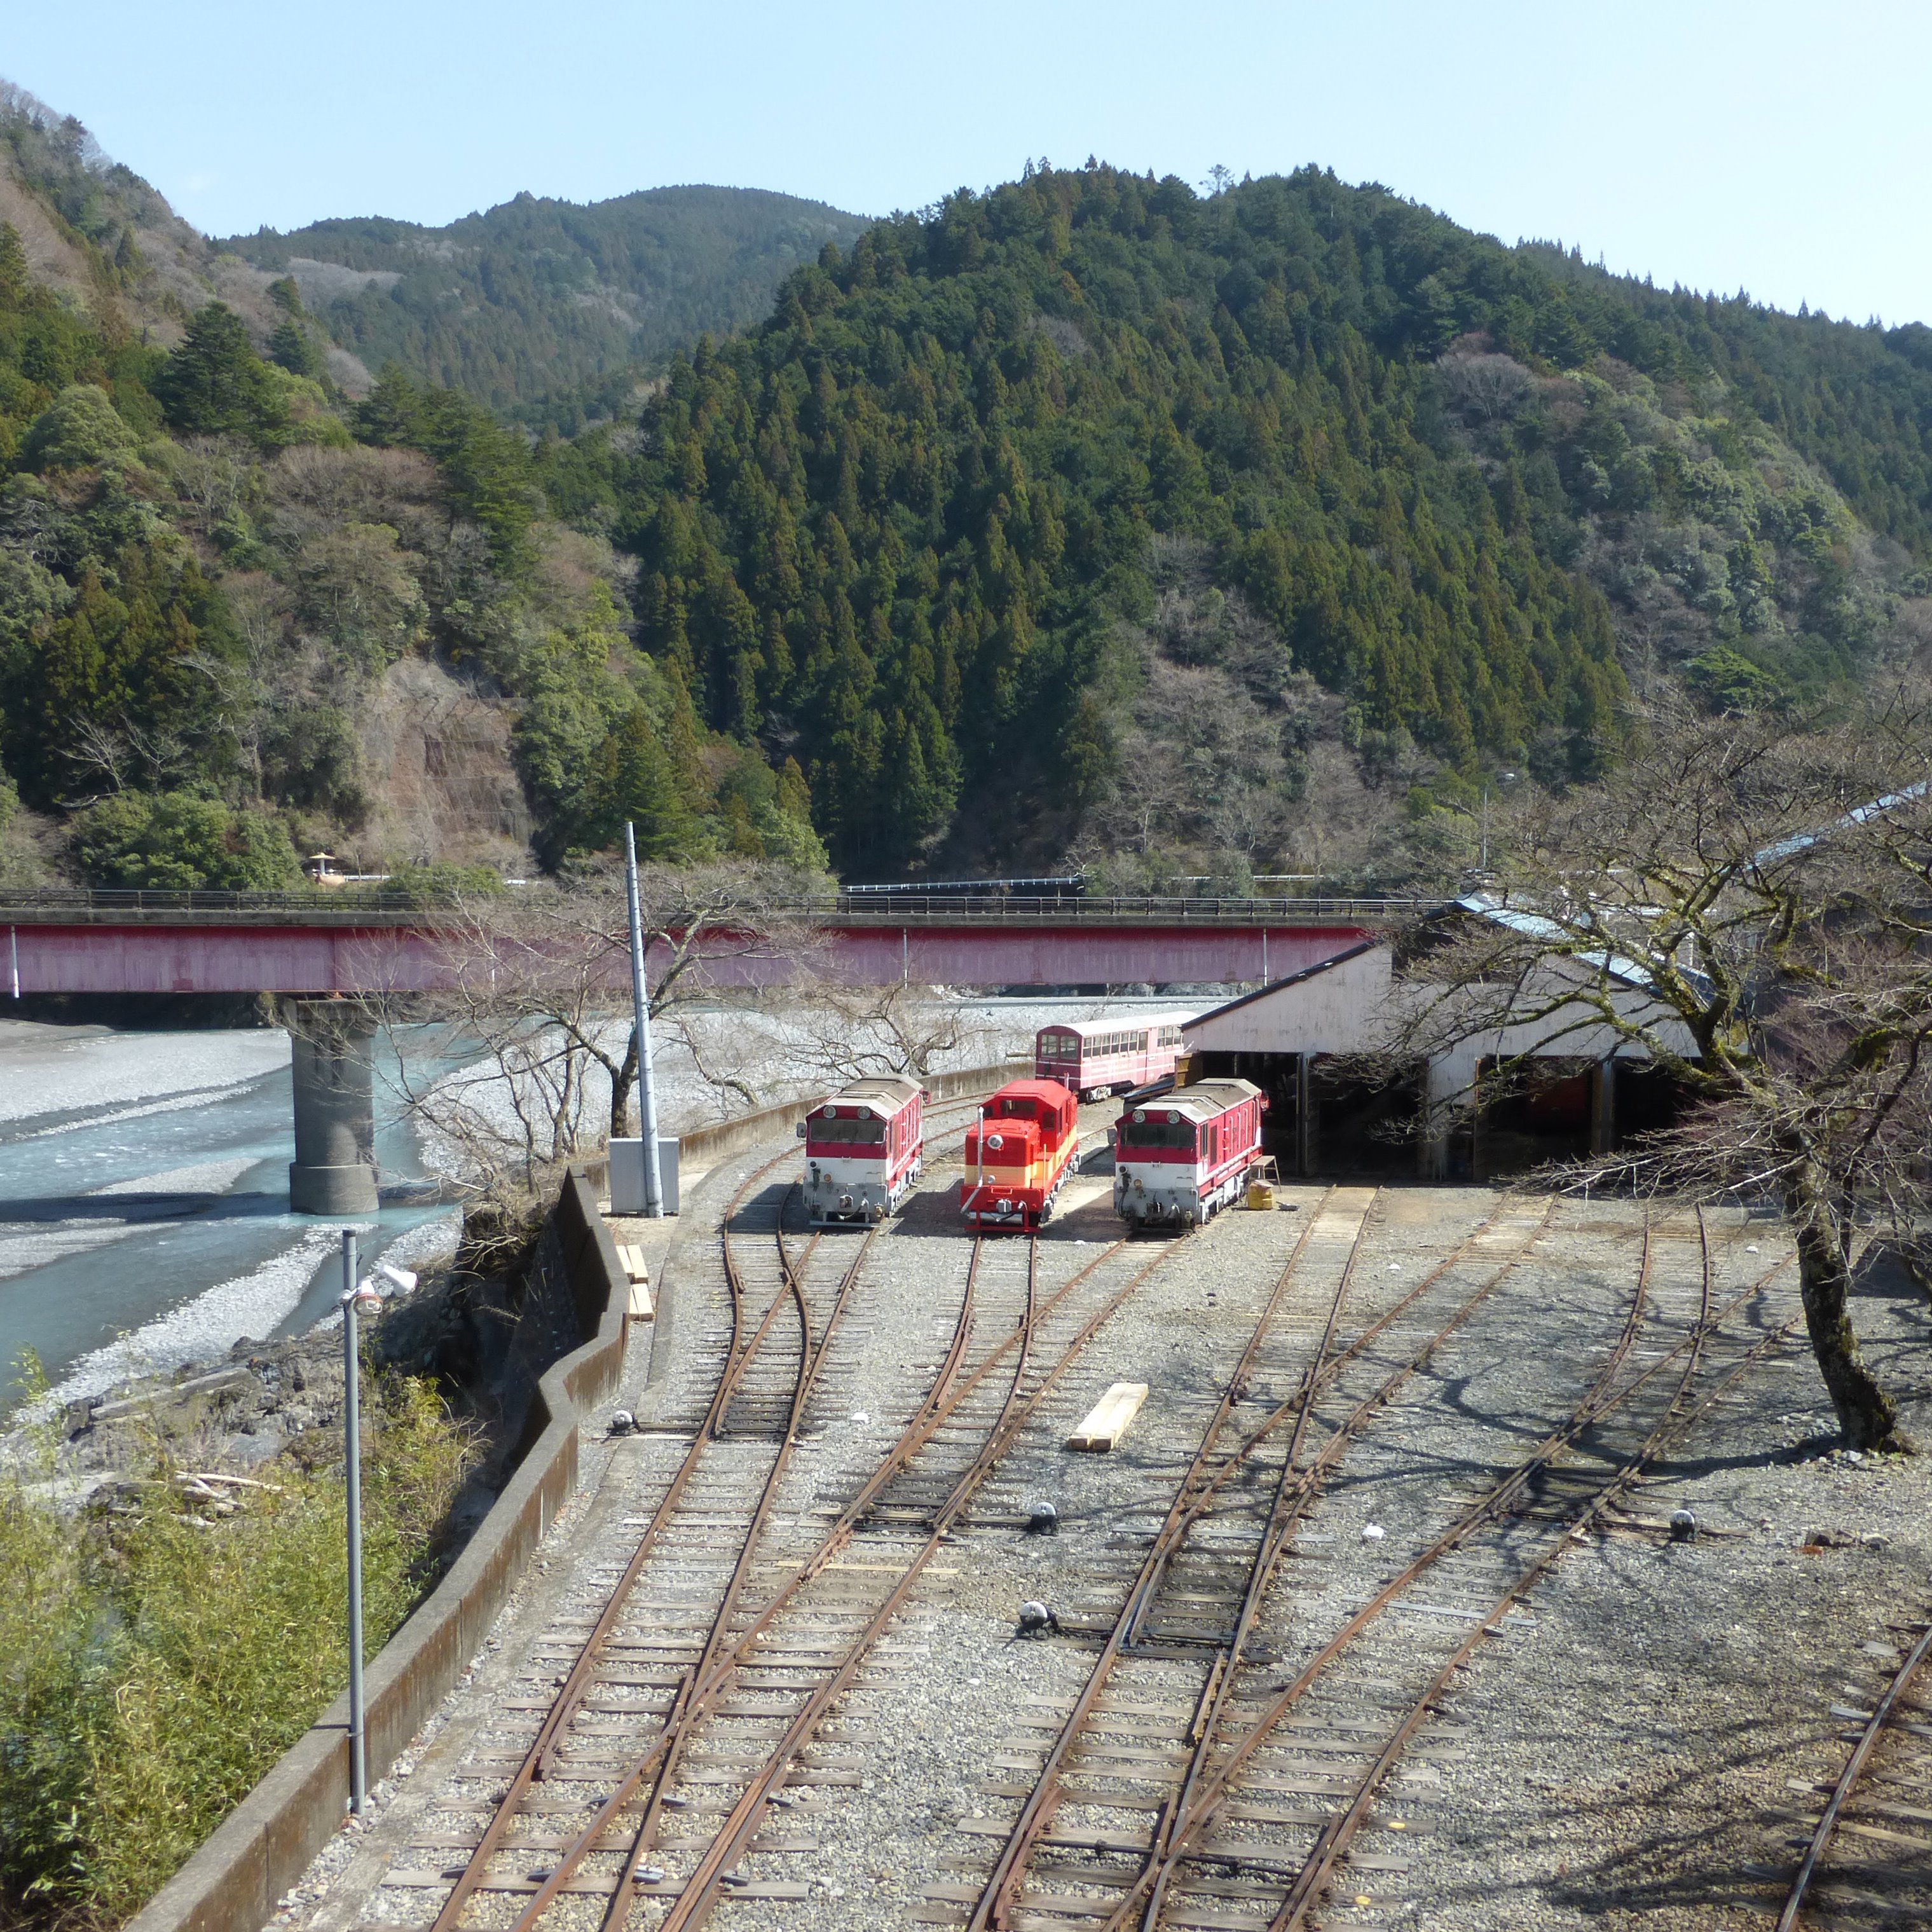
(353, 906)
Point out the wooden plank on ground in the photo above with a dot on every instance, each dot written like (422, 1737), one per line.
(1107, 1422)
(632, 1259)
(640, 1307)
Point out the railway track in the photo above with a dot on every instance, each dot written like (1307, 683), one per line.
(1171, 1800)
(1868, 1860)
(1174, 1623)
(738, 1618)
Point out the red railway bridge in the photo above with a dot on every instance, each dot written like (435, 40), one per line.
(317, 950)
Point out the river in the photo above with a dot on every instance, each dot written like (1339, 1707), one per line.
(144, 1200)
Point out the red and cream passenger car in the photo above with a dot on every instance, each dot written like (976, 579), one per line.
(1180, 1156)
(1097, 1057)
(863, 1148)
(1019, 1153)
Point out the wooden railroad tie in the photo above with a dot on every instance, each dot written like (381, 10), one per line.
(1107, 1422)
(640, 1307)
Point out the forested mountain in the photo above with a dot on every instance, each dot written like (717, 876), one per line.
(1089, 519)
(538, 305)
(928, 520)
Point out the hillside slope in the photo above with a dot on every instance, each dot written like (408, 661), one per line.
(539, 297)
(242, 616)
(107, 243)
(913, 525)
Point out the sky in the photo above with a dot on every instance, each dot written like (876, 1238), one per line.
(1779, 147)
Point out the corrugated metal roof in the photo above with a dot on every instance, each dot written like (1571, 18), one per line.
(1537, 926)
(1202, 1101)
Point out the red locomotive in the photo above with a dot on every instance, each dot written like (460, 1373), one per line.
(863, 1148)
(1018, 1154)
(1182, 1155)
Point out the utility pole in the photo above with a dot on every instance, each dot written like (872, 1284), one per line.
(353, 1299)
(640, 1021)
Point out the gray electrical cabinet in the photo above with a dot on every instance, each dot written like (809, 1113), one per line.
(627, 1175)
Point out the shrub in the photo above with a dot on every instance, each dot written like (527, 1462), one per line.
(79, 430)
(439, 884)
(152, 1668)
(173, 841)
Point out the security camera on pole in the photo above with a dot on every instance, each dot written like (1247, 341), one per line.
(640, 1012)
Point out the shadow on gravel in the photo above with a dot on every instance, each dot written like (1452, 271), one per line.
(1675, 1847)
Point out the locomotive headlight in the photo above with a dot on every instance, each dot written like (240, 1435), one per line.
(1140, 1117)
(995, 1140)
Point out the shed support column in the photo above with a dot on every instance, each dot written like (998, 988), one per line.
(334, 1171)
(1603, 1113)
(1432, 1156)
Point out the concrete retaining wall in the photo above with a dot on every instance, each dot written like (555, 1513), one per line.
(264, 1845)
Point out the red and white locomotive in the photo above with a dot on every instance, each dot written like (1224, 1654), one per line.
(1019, 1153)
(1097, 1057)
(1180, 1156)
(863, 1148)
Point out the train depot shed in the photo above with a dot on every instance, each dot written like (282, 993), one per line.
(1303, 1041)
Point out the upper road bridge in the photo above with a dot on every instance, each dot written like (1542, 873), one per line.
(319, 944)
(313, 948)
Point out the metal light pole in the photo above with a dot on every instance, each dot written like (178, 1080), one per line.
(353, 1299)
(641, 1018)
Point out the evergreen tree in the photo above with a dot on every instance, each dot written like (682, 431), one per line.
(391, 416)
(294, 348)
(632, 779)
(14, 280)
(214, 384)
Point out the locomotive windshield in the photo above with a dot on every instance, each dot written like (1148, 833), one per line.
(1157, 1134)
(869, 1129)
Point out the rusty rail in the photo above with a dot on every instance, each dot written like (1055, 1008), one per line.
(1000, 1893)
(705, 1683)
(577, 1683)
(1788, 1919)
(1317, 1870)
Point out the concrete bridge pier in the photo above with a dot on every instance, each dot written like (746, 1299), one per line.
(334, 1171)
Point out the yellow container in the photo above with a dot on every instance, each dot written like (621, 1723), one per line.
(1260, 1197)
